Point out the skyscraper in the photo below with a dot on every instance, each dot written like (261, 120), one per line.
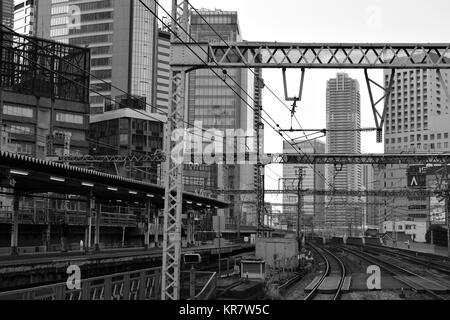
(343, 118)
(24, 17)
(417, 120)
(313, 205)
(6, 12)
(215, 106)
(162, 73)
(122, 36)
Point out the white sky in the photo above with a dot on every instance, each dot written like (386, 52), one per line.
(374, 21)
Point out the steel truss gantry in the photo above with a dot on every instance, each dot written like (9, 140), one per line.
(312, 55)
(373, 159)
(282, 158)
(343, 193)
(319, 56)
(186, 57)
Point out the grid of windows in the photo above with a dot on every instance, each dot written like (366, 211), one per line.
(69, 118)
(18, 111)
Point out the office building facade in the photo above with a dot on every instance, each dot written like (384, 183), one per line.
(128, 131)
(43, 114)
(343, 118)
(122, 37)
(417, 121)
(213, 105)
(6, 12)
(162, 73)
(25, 17)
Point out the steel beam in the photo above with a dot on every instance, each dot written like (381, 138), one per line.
(157, 157)
(15, 226)
(343, 193)
(373, 159)
(296, 158)
(98, 214)
(312, 55)
(379, 117)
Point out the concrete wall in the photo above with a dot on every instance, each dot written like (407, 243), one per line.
(277, 249)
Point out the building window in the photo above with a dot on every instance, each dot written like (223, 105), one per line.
(18, 111)
(70, 118)
(124, 139)
(15, 129)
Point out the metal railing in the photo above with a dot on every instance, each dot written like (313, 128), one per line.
(209, 290)
(134, 285)
(76, 218)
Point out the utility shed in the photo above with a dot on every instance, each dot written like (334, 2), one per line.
(278, 252)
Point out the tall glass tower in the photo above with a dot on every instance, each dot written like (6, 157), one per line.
(344, 216)
(122, 36)
(6, 12)
(213, 104)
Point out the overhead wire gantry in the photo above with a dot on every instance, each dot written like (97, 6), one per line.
(186, 57)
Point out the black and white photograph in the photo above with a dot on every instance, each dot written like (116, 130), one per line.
(246, 153)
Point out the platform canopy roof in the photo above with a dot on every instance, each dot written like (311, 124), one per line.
(29, 176)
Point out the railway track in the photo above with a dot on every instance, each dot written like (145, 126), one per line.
(395, 270)
(435, 264)
(333, 266)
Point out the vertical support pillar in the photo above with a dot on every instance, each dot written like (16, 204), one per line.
(48, 235)
(447, 218)
(88, 230)
(147, 225)
(98, 213)
(156, 228)
(123, 236)
(173, 204)
(15, 226)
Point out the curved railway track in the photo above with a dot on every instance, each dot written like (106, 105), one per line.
(427, 262)
(333, 265)
(395, 270)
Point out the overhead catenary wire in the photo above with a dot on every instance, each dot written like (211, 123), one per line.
(248, 67)
(237, 94)
(224, 71)
(212, 69)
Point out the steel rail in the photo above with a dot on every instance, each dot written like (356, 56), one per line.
(403, 255)
(389, 267)
(314, 291)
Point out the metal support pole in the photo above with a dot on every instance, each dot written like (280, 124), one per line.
(157, 229)
(123, 236)
(220, 244)
(173, 204)
(98, 213)
(447, 218)
(90, 206)
(299, 208)
(147, 226)
(192, 282)
(15, 226)
(48, 235)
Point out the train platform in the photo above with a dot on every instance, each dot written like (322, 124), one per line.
(39, 258)
(330, 285)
